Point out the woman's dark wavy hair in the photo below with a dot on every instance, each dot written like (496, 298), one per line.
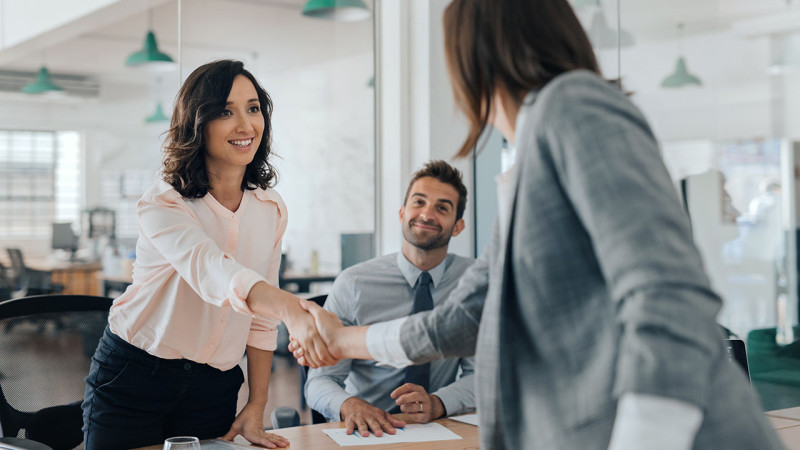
(200, 100)
(518, 44)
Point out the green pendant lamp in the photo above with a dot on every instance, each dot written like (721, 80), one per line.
(680, 77)
(602, 36)
(157, 116)
(149, 54)
(582, 3)
(42, 84)
(339, 10)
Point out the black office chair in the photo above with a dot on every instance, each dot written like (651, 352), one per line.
(43, 369)
(29, 281)
(6, 286)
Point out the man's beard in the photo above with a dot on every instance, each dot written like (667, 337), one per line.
(438, 240)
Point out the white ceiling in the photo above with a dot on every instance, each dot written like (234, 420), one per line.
(273, 31)
(657, 20)
(283, 39)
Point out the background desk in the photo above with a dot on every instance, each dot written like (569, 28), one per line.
(77, 277)
(303, 281)
(312, 437)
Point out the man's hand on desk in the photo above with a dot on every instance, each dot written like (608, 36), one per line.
(357, 413)
(250, 424)
(417, 403)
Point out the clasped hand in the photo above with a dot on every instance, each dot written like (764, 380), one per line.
(324, 325)
(311, 334)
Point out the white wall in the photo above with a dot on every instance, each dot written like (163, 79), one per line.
(418, 118)
(323, 121)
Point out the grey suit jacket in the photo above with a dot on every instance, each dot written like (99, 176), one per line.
(597, 290)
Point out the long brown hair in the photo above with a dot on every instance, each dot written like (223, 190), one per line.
(517, 44)
(200, 100)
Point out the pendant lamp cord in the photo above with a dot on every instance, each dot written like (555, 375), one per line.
(180, 42)
(619, 45)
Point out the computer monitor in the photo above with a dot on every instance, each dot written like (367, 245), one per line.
(64, 238)
(356, 247)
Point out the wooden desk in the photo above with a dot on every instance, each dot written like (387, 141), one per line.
(77, 277)
(787, 424)
(312, 437)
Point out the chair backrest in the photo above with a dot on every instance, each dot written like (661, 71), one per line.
(319, 299)
(46, 344)
(6, 283)
(17, 261)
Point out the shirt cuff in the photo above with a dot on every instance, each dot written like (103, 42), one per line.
(263, 334)
(383, 344)
(240, 287)
(336, 401)
(658, 423)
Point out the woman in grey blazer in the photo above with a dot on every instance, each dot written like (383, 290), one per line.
(590, 315)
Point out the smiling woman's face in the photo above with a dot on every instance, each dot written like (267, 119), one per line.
(233, 138)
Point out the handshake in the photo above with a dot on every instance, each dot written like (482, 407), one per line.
(323, 340)
(318, 338)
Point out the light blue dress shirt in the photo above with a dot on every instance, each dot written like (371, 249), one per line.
(375, 291)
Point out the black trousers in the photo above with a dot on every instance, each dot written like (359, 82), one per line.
(134, 399)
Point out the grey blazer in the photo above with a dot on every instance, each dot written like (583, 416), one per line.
(597, 290)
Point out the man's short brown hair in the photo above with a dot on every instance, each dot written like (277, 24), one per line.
(444, 173)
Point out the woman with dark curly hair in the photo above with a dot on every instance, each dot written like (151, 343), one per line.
(204, 281)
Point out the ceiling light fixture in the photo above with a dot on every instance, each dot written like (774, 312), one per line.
(582, 3)
(680, 77)
(340, 10)
(158, 115)
(602, 36)
(150, 56)
(42, 84)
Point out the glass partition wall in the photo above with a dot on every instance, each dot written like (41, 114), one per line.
(119, 68)
(718, 81)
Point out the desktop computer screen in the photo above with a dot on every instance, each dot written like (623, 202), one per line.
(356, 247)
(64, 238)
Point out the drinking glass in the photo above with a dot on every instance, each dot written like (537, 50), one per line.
(182, 443)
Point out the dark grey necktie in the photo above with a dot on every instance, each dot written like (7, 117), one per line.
(423, 301)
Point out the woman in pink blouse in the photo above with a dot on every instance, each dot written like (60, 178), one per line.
(204, 281)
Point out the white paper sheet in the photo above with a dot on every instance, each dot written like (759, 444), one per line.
(411, 433)
(471, 419)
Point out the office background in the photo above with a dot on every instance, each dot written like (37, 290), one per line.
(359, 105)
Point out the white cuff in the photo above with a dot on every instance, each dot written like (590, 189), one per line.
(383, 343)
(654, 423)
